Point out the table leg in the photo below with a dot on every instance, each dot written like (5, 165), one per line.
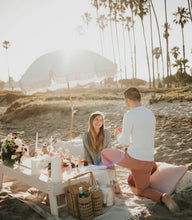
(53, 204)
(1, 177)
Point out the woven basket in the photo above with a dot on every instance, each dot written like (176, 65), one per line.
(97, 202)
(72, 194)
(85, 208)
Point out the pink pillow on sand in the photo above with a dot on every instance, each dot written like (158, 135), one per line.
(166, 177)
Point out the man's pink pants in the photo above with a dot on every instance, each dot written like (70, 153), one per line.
(141, 171)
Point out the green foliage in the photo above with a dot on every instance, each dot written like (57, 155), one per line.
(12, 148)
(132, 82)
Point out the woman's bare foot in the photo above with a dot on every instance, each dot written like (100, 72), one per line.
(170, 203)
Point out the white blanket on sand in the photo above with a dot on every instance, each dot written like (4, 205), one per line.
(127, 205)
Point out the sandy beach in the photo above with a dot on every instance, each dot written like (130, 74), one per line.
(173, 144)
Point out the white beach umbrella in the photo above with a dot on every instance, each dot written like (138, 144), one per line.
(60, 65)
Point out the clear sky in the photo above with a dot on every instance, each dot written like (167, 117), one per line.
(35, 27)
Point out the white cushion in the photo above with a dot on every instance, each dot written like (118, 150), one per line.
(72, 148)
(167, 176)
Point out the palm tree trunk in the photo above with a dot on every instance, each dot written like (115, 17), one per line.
(114, 60)
(8, 71)
(118, 49)
(146, 50)
(167, 42)
(130, 44)
(124, 47)
(183, 46)
(100, 36)
(134, 42)
(189, 6)
(159, 36)
(183, 42)
(158, 75)
(151, 27)
(157, 64)
(103, 40)
(125, 66)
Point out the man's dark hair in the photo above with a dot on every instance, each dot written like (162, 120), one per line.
(133, 94)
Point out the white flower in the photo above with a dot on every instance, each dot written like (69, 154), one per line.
(13, 157)
(18, 141)
(19, 149)
(26, 152)
(10, 136)
(46, 160)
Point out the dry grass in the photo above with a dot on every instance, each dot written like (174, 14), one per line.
(21, 107)
(7, 97)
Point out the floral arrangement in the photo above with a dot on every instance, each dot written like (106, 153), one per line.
(47, 159)
(12, 148)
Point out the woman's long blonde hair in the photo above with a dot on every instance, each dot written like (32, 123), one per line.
(95, 143)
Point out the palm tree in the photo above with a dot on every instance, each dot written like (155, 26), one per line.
(181, 76)
(166, 36)
(96, 5)
(151, 30)
(6, 45)
(102, 22)
(159, 36)
(157, 52)
(122, 19)
(175, 52)
(182, 17)
(110, 5)
(115, 19)
(141, 11)
(189, 6)
(86, 17)
(133, 4)
(128, 26)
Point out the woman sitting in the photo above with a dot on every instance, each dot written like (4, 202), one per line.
(96, 138)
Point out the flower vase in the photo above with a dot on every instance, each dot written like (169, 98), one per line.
(7, 161)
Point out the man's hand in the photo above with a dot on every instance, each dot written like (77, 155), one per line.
(117, 131)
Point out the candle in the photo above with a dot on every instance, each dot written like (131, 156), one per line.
(36, 143)
(36, 166)
(56, 169)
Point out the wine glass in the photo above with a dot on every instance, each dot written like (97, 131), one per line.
(81, 166)
(38, 150)
(75, 159)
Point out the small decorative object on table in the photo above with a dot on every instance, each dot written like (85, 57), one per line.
(66, 166)
(12, 149)
(85, 162)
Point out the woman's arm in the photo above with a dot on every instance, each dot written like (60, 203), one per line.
(107, 139)
(86, 151)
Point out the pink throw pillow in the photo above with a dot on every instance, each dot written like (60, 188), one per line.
(166, 177)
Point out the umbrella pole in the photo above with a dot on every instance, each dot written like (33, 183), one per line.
(72, 111)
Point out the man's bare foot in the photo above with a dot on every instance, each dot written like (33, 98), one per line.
(170, 203)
